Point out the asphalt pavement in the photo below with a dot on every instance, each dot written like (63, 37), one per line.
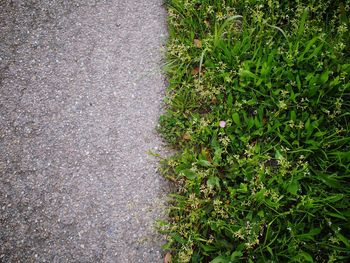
(80, 96)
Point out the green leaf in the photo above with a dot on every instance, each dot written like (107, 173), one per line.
(278, 155)
(306, 256)
(293, 187)
(261, 213)
(258, 124)
(335, 82)
(302, 23)
(213, 181)
(307, 48)
(250, 123)
(307, 124)
(298, 82)
(189, 174)
(178, 238)
(208, 248)
(243, 188)
(236, 255)
(310, 234)
(343, 239)
(246, 73)
(220, 259)
(217, 156)
(293, 115)
(270, 250)
(167, 246)
(230, 100)
(329, 180)
(336, 215)
(236, 119)
(259, 196)
(204, 163)
(333, 198)
(324, 77)
(315, 52)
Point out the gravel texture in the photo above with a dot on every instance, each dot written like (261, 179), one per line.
(80, 95)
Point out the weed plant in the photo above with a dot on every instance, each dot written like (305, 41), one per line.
(258, 108)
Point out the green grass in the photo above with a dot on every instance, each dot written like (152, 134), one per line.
(258, 108)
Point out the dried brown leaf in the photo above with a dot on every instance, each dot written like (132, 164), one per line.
(186, 136)
(264, 120)
(195, 71)
(168, 258)
(197, 43)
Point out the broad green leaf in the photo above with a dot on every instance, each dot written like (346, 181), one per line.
(324, 76)
(213, 181)
(293, 115)
(246, 73)
(220, 259)
(217, 156)
(236, 119)
(293, 187)
(278, 155)
(178, 238)
(189, 174)
(208, 248)
(260, 195)
(243, 188)
(204, 163)
(230, 100)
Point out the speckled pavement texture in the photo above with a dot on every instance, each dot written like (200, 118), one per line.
(80, 96)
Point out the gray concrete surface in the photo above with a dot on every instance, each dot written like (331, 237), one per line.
(80, 96)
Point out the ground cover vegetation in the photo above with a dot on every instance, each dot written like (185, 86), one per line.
(258, 108)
